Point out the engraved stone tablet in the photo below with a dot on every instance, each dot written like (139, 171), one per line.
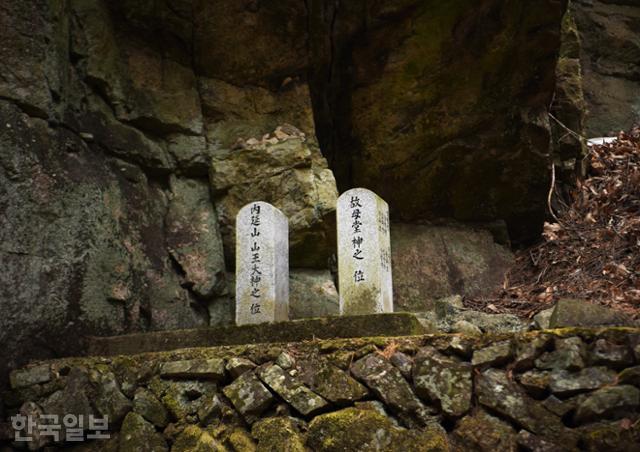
(364, 253)
(262, 264)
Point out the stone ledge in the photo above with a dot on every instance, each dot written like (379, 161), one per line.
(393, 324)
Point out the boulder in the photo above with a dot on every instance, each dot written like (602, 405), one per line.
(291, 389)
(332, 383)
(449, 318)
(466, 328)
(278, 434)
(388, 384)
(237, 366)
(194, 439)
(527, 351)
(285, 360)
(154, 89)
(22, 378)
(605, 353)
(193, 239)
(234, 113)
(239, 439)
(147, 405)
(501, 395)
(210, 409)
(432, 262)
(292, 175)
(609, 436)
(570, 312)
(485, 433)
(494, 355)
(609, 402)
(403, 362)
(184, 398)
(109, 401)
(113, 111)
(541, 319)
(535, 382)
(249, 396)
(528, 441)
(630, 376)
(77, 396)
(563, 383)
(206, 369)
(33, 63)
(443, 380)
(83, 235)
(560, 407)
(569, 354)
(312, 293)
(354, 429)
(137, 434)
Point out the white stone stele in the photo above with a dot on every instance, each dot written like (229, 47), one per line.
(262, 264)
(364, 253)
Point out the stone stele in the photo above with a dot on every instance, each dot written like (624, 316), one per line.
(364, 253)
(262, 264)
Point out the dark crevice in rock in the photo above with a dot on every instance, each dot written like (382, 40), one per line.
(27, 109)
(180, 271)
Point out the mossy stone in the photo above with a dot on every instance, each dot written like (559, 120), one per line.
(535, 382)
(609, 402)
(444, 380)
(330, 382)
(278, 434)
(601, 436)
(249, 396)
(194, 439)
(630, 376)
(352, 429)
(241, 441)
(388, 384)
(563, 383)
(291, 389)
(570, 354)
(137, 434)
(493, 355)
(148, 406)
(485, 433)
(501, 395)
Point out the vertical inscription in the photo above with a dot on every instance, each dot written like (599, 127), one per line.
(357, 239)
(255, 276)
(364, 253)
(262, 264)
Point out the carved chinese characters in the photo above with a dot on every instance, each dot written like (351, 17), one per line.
(262, 264)
(364, 253)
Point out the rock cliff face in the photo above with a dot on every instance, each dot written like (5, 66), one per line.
(440, 107)
(610, 59)
(122, 123)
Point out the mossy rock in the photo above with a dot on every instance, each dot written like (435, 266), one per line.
(483, 432)
(279, 434)
(194, 439)
(610, 436)
(137, 434)
(352, 429)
